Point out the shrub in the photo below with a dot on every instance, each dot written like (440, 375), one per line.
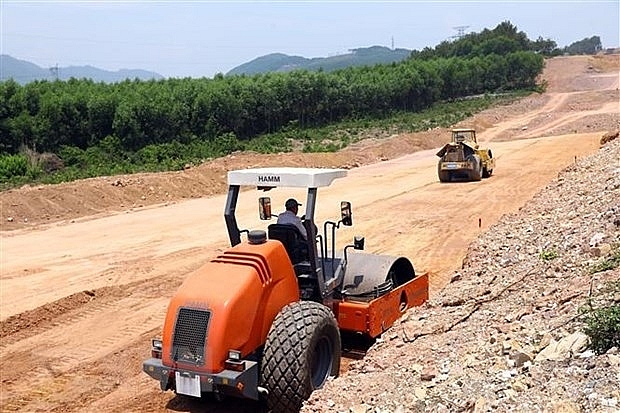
(13, 166)
(602, 319)
(603, 328)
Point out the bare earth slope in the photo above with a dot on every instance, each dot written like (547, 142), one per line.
(87, 268)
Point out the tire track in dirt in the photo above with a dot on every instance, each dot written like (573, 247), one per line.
(558, 105)
(25, 324)
(567, 118)
(38, 359)
(60, 358)
(515, 125)
(104, 338)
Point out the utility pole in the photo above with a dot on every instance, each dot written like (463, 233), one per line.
(460, 32)
(54, 71)
(392, 42)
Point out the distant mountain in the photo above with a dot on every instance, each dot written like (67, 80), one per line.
(23, 72)
(278, 62)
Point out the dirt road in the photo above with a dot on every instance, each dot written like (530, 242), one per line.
(80, 302)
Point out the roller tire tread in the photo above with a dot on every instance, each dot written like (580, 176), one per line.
(288, 353)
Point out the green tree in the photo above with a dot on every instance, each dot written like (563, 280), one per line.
(589, 45)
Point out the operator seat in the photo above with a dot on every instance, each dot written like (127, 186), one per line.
(292, 240)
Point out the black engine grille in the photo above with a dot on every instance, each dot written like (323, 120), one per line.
(190, 333)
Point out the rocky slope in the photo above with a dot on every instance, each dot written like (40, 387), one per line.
(505, 334)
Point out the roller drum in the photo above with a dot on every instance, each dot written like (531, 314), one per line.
(370, 275)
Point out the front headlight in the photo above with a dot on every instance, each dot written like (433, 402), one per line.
(156, 348)
(234, 361)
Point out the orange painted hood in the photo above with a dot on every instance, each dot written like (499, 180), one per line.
(228, 304)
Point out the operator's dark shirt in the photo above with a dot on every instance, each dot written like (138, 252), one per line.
(289, 218)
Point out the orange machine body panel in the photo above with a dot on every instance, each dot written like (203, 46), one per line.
(376, 316)
(243, 289)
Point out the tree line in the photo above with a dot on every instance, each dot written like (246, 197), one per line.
(45, 116)
(503, 39)
(69, 117)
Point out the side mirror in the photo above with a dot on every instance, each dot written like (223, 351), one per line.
(264, 208)
(358, 243)
(345, 212)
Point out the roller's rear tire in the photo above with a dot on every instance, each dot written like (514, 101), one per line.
(302, 351)
(444, 176)
(476, 173)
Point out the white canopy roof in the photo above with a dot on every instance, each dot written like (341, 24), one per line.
(285, 177)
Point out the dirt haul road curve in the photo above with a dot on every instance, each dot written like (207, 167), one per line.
(80, 302)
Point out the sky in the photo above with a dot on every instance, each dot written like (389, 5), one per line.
(203, 38)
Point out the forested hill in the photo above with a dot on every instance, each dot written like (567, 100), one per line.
(23, 72)
(278, 62)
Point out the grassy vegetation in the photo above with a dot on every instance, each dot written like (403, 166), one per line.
(336, 136)
(108, 158)
(607, 263)
(548, 255)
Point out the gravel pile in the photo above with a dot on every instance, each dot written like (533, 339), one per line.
(505, 334)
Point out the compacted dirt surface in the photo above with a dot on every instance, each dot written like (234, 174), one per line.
(87, 268)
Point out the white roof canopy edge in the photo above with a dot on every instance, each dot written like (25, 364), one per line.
(285, 177)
